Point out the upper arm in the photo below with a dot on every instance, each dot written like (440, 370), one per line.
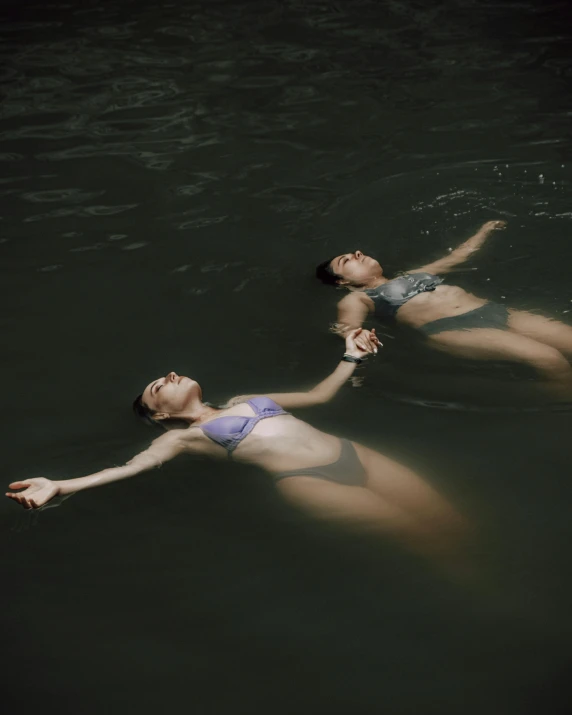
(459, 255)
(291, 400)
(161, 450)
(353, 310)
(443, 265)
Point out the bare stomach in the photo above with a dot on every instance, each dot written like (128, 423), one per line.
(284, 443)
(443, 302)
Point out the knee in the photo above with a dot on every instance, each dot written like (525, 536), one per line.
(551, 363)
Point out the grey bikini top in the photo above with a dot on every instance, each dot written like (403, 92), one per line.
(390, 296)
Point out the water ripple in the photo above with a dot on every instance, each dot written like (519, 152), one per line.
(82, 211)
(67, 195)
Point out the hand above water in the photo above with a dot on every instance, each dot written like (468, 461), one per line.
(490, 226)
(360, 342)
(37, 492)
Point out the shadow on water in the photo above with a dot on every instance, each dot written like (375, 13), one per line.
(170, 175)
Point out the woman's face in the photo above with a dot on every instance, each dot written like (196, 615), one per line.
(171, 394)
(356, 268)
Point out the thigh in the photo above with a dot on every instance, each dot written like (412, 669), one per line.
(542, 329)
(490, 344)
(356, 506)
(401, 486)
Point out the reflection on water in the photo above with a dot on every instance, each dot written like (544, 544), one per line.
(173, 173)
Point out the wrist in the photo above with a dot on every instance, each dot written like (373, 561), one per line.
(351, 357)
(356, 353)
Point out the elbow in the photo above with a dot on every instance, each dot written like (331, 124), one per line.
(318, 397)
(342, 329)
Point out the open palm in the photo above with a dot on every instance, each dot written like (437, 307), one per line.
(37, 492)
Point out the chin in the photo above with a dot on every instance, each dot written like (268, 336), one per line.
(192, 387)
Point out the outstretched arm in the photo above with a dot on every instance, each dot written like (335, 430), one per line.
(38, 491)
(326, 389)
(464, 251)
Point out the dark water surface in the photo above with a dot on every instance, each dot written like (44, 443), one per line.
(170, 176)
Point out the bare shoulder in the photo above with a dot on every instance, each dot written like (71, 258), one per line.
(354, 299)
(355, 303)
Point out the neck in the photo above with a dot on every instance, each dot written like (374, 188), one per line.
(197, 413)
(371, 283)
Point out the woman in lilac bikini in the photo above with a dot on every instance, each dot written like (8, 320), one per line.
(327, 476)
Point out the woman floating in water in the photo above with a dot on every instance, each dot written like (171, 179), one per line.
(327, 476)
(451, 319)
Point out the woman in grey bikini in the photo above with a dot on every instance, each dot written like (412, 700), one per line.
(328, 477)
(451, 319)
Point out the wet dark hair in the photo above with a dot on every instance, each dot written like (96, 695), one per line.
(146, 414)
(326, 274)
(143, 412)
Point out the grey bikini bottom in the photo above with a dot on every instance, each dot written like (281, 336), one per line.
(489, 315)
(347, 469)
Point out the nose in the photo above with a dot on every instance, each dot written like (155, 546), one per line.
(172, 376)
(358, 254)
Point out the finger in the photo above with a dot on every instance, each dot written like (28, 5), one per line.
(374, 336)
(19, 485)
(355, 333)
(372, 345)
(33, 504)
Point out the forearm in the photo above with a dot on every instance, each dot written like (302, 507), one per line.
(473, 243)
(461, 254)
(326, 389)
(106, 476)
(319, 394)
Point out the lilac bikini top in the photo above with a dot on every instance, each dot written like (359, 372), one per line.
(230, 431)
